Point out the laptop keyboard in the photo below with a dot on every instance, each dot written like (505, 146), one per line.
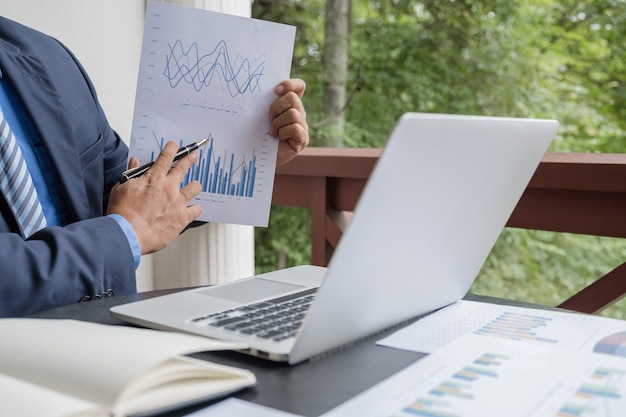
(277, 319)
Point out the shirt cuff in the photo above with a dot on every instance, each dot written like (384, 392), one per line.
(130, 235)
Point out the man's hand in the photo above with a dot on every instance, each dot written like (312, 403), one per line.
(288, 120)
(154, 204)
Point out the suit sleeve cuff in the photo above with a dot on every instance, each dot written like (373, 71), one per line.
(128, 230)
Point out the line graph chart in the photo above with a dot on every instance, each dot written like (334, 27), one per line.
(214, 69)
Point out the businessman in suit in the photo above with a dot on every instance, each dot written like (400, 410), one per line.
(96, 229)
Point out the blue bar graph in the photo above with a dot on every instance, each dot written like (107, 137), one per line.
(427, 407)
(221, 175)
(517, 326)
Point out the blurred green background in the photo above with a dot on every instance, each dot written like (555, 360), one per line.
(544, 59)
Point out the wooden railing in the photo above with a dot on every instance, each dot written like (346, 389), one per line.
(569, 192)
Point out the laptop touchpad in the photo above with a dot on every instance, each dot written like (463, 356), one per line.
(249, 290)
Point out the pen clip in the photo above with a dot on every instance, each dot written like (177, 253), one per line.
(131, 173)
(125, 176)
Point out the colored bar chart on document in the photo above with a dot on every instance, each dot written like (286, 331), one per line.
(211, 75)
(520, 324)
(475, 376)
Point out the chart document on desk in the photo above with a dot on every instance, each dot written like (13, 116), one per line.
(211, 75)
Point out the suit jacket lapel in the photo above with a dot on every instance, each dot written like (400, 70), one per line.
(41, 100)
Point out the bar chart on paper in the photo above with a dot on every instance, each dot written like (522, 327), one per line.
(517, 326)
(475, 376)
(211, 75)
(228, 174)
(524, 325)
(224, 175)
(601, 393)
(459, 386)
(598, 394)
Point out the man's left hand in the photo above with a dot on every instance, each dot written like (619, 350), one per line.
(288, 120)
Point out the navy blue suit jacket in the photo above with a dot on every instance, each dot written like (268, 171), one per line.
(90, 254)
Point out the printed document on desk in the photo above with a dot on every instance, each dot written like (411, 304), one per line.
(527, 325)
(234, 407)
(211, 75)
(476, 376)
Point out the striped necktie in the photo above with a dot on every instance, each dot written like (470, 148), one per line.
(16, 183)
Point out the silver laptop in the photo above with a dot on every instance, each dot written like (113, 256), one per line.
(435, 204)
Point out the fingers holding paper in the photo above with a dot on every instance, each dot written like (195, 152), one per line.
(154, 204)
(288, 120)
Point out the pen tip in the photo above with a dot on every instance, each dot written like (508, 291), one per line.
(203, 141)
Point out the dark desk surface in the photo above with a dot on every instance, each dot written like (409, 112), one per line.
(307, 389)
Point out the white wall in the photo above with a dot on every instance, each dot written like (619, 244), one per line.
(105, 35)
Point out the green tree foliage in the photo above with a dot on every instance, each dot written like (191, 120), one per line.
(561, 59)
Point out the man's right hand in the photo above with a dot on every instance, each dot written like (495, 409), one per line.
(154, 204)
